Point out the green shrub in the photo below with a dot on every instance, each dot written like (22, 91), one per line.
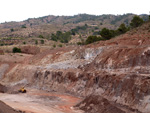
(92, 39)
(2, 44)
(12, 30)
(41, 36)
(36, 42)
(80, 43)
(106, 33)
(16, 50)
(122, 29)
(54, 45)
(62, 37)
(136, 21)
(60, 45)
(42, 41)
(23, 26)
(24, 43)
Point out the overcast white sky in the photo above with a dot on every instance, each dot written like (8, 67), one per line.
(18, 10)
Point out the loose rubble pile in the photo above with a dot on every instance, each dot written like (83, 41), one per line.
(97, 104)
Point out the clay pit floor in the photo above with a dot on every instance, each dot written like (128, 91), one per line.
(37, 101)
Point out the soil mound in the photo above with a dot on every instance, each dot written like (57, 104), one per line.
(30, 50)
(6, 109)
(97, 104)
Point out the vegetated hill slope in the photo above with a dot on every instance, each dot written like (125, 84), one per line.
(116, 70)
(47, 25)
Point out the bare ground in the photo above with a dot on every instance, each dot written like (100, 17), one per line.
(35, 101)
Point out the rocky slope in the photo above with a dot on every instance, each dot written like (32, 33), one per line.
(6, 109)
(114, 71)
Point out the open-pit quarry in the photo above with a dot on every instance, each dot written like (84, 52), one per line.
(105, 77)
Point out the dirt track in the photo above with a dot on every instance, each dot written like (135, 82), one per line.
(35, 101)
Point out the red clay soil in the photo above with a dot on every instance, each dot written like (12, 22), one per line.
(1, 52)
(55, 52)
(6, 109)
(30, 50)
(66, 106)
(97, 104)
(2, 89)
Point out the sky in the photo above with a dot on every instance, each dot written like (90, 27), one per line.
(19, 10)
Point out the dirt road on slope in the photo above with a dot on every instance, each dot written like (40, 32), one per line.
(36, 101)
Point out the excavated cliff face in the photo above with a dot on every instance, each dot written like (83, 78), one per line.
(124, 59)
(116, 70)
(126, 89)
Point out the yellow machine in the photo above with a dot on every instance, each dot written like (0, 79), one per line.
(22, 90)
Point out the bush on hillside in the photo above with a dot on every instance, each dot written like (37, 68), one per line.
(36, 42)
(23, 26)
(16, 50)
(42, 41)
(41, 36)
(60, 45)
(54, 46)
(92, 39)
(79, 28)
(136, 21)
(122, 29)
(24, 42)
(62, 37)
(106, 33)
(12, 30)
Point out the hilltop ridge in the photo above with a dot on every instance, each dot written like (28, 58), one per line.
(50, 24)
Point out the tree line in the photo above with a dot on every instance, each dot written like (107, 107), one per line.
(106, 34)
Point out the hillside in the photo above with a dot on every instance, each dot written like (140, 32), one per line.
(47, 25)
(115, 72)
